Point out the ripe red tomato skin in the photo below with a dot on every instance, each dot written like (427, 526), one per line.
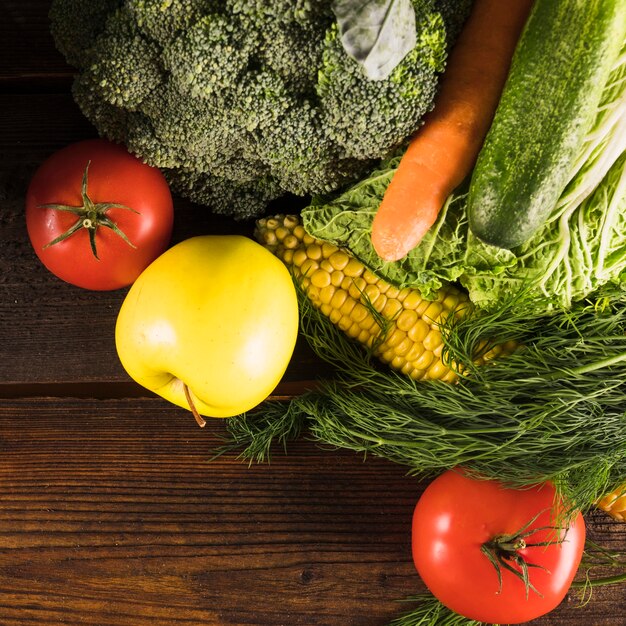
(457, 514)
(114, 176)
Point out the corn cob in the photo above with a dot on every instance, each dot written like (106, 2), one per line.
(614, 503)
(399, 326)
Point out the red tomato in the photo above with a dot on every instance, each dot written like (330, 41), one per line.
(114, 177)
(456, 516)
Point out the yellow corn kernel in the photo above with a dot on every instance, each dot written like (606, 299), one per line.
(417, 374)
(327, 293)
(392, 308)
(415, 351)
(288, 256)
(413, 300)
(451, 301)
(354, 330)
(371, 292)
(326, 266)
(344, 322)
(320, 278)
(380, 303)
(393, 292)
(338, 299)
(357, 287)
(299, 257)
(290, 242)
(314, 251)
(366, 338)
(437, 371)
(370, 324)
(290, 222)
(272, 223)
(328, 249)
(402, 293)
(353, 268)
(419, 331)
(334, 315)
(402, 349)
(395, 337)
(308, 267)
(406, 368)
(336, 278)
(339, 259)
(432, 340)
(406, 319)
(614, 503)
(299, 231)
(269, 238)
(397, 363)
(424, 361)
(431, 311)
(369, 277)
(313, 293)
(450, 376)
(359, 312)
(282, 232)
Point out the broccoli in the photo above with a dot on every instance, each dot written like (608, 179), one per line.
(242, 101)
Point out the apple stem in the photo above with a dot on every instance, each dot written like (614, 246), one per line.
(199, 419)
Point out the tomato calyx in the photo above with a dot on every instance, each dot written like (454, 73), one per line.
(503, 552)
(91, 215)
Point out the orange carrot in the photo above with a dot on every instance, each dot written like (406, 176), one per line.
(443, 151)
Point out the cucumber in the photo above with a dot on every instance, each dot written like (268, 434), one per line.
(549, 101)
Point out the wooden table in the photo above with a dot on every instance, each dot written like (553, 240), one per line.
(110, 509)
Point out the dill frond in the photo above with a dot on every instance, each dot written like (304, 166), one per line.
(553, 410)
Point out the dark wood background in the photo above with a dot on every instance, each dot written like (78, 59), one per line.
(110, 510)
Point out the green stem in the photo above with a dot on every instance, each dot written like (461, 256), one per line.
(592, 367)
(598, 582)
(380, 441)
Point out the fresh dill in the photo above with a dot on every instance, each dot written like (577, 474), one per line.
(554, 409)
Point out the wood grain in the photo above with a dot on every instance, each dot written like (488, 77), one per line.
(112, 508)
(28, 57)
(112, 513)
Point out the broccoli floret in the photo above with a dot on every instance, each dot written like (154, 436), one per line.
(74, 25)
(242, 101)
(454, 14)
(195, 60)
(239, 199)
(382, 113)
(164, 20)
(124, 63)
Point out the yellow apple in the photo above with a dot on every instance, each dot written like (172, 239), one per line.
(210, 325)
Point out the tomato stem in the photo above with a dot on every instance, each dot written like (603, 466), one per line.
(90, 216)
(503, 553)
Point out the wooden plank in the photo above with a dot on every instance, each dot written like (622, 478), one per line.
(111, 513)
(27, 50)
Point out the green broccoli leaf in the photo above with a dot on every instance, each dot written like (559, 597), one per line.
(378, 34)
